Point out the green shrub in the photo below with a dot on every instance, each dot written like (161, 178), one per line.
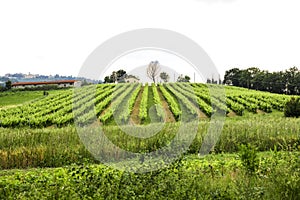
(248, 154)
(292, 108)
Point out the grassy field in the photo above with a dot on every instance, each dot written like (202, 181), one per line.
(18, 97)
(256, 157)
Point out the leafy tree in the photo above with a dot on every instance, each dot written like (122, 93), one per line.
(260, 81)
(187, 78)
(107, 79)
(290, 80)
(277, 82)
(8, 85)
(292, 108)
(182, 78)
(164, 76)
(153, 70)
(253, 73)
(116, 76)
(232, 77)
(120, 75)
(245, 78)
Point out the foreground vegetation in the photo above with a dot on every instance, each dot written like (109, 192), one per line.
(277, 176)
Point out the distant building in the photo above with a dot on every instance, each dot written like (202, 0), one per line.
(61, 84)
(131, 79)
(30, 76)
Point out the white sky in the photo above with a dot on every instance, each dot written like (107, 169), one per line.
(50, 37)
(141, 58)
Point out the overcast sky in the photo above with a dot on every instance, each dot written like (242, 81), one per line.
(50, 37)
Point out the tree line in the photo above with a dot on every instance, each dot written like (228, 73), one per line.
(282, 82)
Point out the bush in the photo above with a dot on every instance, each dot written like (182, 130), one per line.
(292, 108)
(248, 155)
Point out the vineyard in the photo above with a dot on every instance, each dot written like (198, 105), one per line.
(111, 104)
(43, 154)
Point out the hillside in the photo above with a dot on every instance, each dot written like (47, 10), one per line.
(138, 104)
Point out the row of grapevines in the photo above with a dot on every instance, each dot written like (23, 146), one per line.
(51, 110)
(116, 101)
(85, 113)
(34, 108)
(236, 107)
(90, 95)
(203, 94)
(158, 105)
(276, 101)
(143, 105)
(249, 106)
(173, 105)
(23, 115)
(203, 106)
(125, 113)
(214, 100)
(44, 106)
(261, 104)
(64, 115)
(101, 102)
(186, 86)
(182, 98)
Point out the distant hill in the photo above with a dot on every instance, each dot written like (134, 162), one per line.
(19, 77)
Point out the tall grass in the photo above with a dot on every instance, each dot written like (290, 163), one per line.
(52, 147)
